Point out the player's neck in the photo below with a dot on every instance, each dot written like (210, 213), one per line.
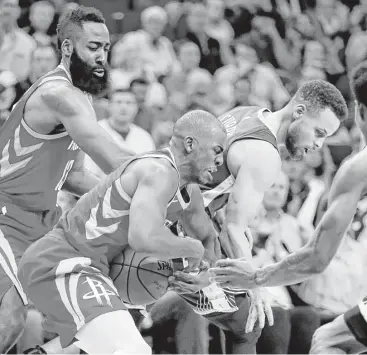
(183, 164)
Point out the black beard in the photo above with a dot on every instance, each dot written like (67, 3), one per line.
(83, 77)
(291, 146)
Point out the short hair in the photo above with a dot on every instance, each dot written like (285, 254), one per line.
(74, 19)
(198, 123)
(358, 83)
(318, 95)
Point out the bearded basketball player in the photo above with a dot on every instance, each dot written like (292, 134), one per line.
(39, 152)
(348, 332)
(252, 163)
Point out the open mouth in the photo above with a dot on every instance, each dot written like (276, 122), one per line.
(210, 171)
(98, 72)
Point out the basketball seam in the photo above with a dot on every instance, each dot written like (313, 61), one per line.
(119, 273)
(141, 283)
(128, 277)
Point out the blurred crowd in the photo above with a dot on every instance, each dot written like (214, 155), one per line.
(169, 57)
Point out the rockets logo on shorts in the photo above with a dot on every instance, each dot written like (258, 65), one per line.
(98, 291)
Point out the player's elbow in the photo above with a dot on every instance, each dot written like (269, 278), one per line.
(139, 242)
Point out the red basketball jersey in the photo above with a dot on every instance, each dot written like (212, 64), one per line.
(98, 224)
(240, 123)
(33, 166)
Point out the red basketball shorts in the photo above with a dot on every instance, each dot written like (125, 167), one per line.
(65, 286)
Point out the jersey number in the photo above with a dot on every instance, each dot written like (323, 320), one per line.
(65, 174)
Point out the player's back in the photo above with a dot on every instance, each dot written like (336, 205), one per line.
(34, 166)
(243, 122)
(98, 224)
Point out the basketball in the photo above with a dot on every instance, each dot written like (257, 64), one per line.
(140, 279)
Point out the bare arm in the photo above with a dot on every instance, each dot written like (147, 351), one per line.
(255, 165)
(313, 258)
(147, 233)
(198, 224)
(80, 180)
(76, 114)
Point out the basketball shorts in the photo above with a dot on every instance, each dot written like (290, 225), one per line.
(18, 230)
(65, 286)
(356, 319)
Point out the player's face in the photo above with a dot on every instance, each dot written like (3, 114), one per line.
(206, 158)
(308, 133)
(88, 63)
(123, 107)
(276, 196)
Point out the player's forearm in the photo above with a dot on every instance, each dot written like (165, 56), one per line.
(165, 244)
(109, 157)
(310, 260)
(235, 226)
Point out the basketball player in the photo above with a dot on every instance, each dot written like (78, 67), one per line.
(39, 144)
(350, 183)
(66, 273)
(252, 163)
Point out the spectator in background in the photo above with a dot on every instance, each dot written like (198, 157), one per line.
(277, 234)
(17, 46)
(123, 110)
(213, 54)
(267, 89)
(41, 16)
(218, 27)
(144, 117)
(43, 60)
(156, 49)
(128, 63)
(239, 14)
(176, 20)
(7, 94)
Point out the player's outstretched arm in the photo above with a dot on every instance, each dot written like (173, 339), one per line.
(313, 258)
(254, 164)
(76, 114)
(196, 222)
(80, 180)
(156, 186)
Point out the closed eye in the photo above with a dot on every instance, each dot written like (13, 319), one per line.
(321, 133)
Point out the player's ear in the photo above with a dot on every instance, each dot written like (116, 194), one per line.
(189, 143)
(67, 47)
(299, 111)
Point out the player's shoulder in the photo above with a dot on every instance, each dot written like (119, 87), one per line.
(156, 169)
(354, 168)
(240, 112)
